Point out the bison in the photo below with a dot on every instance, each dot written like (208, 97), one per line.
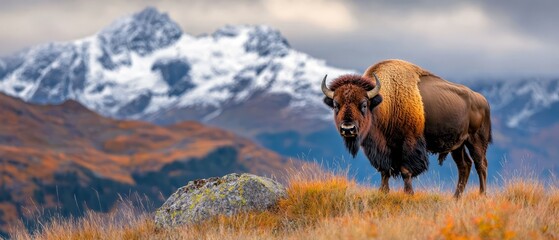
(398, 113)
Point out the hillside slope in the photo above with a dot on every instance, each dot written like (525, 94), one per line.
(68, 158)
(332, 207)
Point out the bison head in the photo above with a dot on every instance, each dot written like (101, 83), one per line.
(353, 99)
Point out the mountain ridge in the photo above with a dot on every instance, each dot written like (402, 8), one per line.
(65, 158)
(247, 79)
(144, 64)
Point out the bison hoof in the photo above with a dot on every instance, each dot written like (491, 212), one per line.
(384, 190)
(409, 191)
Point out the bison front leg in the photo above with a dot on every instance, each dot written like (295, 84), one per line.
(384, 187)
(414, 161)
(407, 175)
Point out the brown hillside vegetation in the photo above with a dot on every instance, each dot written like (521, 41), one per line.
(66, 156)
(323, 206)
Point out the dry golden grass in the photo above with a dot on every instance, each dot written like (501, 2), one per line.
(328, 206)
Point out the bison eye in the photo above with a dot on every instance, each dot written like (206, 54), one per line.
(364, 108)
(336, 106)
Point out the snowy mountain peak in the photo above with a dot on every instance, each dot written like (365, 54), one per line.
(143, 66)
(142, 32)
(266, 41)
(526, 104)
(261, 39)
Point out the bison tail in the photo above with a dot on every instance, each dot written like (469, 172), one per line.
(485, 131)
(442, 157)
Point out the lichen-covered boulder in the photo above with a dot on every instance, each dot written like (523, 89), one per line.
(205, 198)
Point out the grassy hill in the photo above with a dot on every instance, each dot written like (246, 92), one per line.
(328, 206)
(64, 159)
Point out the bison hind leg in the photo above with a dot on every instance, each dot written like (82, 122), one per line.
(478, 150)
(464, 165)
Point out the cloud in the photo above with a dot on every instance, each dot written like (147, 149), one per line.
(334, 16)
(453, 40)
(295, 19)
(485, 37)
(32, 22)
(464, 26)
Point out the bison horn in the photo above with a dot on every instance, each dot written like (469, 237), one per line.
(373, 92)
(329, 93)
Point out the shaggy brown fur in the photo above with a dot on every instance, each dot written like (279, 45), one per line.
(400, 119)
(356, 80)
(398, 130)
(402, 105)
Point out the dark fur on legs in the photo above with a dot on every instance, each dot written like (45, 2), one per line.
(414, 156)
(384, 186)
(407, 177)
(464, 165)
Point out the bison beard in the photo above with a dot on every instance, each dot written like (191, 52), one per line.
(352, 145)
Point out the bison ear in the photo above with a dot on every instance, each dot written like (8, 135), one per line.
(329, 102)
(375, 102)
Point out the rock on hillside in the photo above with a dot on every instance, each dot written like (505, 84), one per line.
(205, 198)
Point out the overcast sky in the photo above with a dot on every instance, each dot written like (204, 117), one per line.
(454, 39)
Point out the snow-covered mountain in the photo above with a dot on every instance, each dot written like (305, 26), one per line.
(525, 104)
(246, 79)
(143, 65)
